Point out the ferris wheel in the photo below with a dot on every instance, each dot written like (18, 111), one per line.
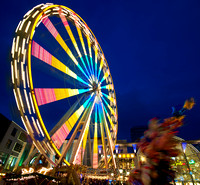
(63, 87)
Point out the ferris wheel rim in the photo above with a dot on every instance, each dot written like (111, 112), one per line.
(30, 75)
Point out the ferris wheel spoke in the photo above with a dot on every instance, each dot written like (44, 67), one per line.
(109, 86)
(101, 66)
(107, 104)
(42, 54)
(76, 130)
(80, 153)
(86, 124)
(61, 134)
(66, 116)
(106, 74)
(85, 140)
(82, 43)
(110, 141)
(96, 53)
(48, 24)
(90, 52)
(109, 118)
(67, 27)
(95, 144)
(103, 136)
(109, 98)
(49, 95)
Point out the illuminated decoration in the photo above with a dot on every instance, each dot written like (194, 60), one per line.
(95, 145)
(117, 149)
(143, 159)
(44, 170)
(62, 67)
(184, 145)
(177, 163)
(62, 133)
(100, 149)
(134, 147)
(30, 170)
(27, 171)
(45, 56)
(2, 174)
(49, 95)
(128, 155)
(191, 161)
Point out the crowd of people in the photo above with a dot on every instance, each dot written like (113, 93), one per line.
(90, 181)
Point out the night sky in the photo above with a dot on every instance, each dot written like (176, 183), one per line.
(152, 49)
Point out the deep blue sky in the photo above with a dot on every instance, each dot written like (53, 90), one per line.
(152, 49)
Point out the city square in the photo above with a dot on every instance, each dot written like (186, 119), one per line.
(65, 123)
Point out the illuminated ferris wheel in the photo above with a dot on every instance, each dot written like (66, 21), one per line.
(63, 87)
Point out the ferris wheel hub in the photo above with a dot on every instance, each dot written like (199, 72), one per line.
(96, 87)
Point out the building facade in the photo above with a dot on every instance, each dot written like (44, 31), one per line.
(14, 144)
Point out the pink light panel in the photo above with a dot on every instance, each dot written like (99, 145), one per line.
(41, 53)
(95, 160)
(50, 26)
(78, 157)
(44, 96)
(60, 136)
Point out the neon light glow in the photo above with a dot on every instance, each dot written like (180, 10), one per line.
(113, 112)
(20, 99)
(36, 128)
(28, 124)
(39, 127)
(35, 13)
(82, 42)
(49, 95)
(64, 20)
(27, 101)
(102, 135)
(109, 118)
(46, 21)
(31, 85)
(31, 103)
(109, 86)
(90, 52)
(60, 135)
(12, 72)
(110, 98)
(40, 53)
(82, 148)
(84, 131)
(110, 141)
(105, 76)
(91, 73)
(13, 47)
(96, 52)
(23, 46)
(17, 42)
(27, 27)
(95, 146)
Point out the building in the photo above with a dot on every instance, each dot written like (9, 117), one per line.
(14, 144)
